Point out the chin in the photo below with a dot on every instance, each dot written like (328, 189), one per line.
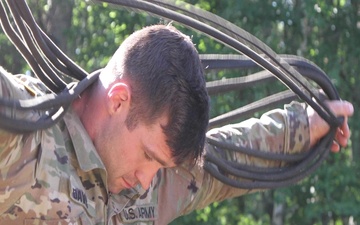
(115, 190)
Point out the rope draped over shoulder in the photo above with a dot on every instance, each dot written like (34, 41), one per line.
(48, 63)
(51, 66)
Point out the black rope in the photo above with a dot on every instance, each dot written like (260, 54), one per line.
(303, 66)
(16, 40)
(220, 62)
(49, 64)
(247, 182)
(251, 108)
(200, 20)
(280, 69)
(254, 152)
(55, 106)
(55, 58)
(43, 56)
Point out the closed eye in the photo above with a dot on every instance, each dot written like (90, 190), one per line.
(151, 156)
(147, 157)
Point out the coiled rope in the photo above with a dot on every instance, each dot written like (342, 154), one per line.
(51, 66)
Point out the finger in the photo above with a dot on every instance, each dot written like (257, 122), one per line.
(343, 134)
(345, 128)
(335, 147)
(340, 138)
(341, 108)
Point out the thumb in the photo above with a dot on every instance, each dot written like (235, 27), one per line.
(341, 108)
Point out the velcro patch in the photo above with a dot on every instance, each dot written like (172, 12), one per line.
(139, 213)
(79, 196)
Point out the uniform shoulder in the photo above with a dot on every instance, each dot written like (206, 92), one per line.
(14, 86)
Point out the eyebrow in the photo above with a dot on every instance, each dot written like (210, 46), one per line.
(156, 157)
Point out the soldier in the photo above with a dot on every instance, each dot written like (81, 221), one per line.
(128, 150)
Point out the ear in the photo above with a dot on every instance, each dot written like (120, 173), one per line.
(118, 97)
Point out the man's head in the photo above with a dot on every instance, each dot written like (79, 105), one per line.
(154, 87)
(165, 76)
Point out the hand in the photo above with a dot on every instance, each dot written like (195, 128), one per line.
(318, 127)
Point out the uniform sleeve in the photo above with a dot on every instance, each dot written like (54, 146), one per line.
(9, 89)
(14, 157)
(13, 87)
(282, 131)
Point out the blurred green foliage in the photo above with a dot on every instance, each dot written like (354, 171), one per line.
(326, 32)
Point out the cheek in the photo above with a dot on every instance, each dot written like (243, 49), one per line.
(128, 164)
(104, 141)
(133, 160)
(113, 137)
(122, 148)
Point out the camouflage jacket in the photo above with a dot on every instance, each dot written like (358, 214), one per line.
(55, 176)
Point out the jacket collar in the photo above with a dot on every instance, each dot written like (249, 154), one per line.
(86, 153)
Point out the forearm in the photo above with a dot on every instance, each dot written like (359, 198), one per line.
(280, 131)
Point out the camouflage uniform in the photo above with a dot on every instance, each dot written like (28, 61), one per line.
(55, 176)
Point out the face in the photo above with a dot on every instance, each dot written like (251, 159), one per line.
(132, 157)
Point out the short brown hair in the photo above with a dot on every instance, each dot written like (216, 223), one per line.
(165, 75)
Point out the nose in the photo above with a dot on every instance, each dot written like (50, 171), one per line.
(146, 175)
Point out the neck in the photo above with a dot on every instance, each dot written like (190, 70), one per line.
(89, 106)
(81, 104)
